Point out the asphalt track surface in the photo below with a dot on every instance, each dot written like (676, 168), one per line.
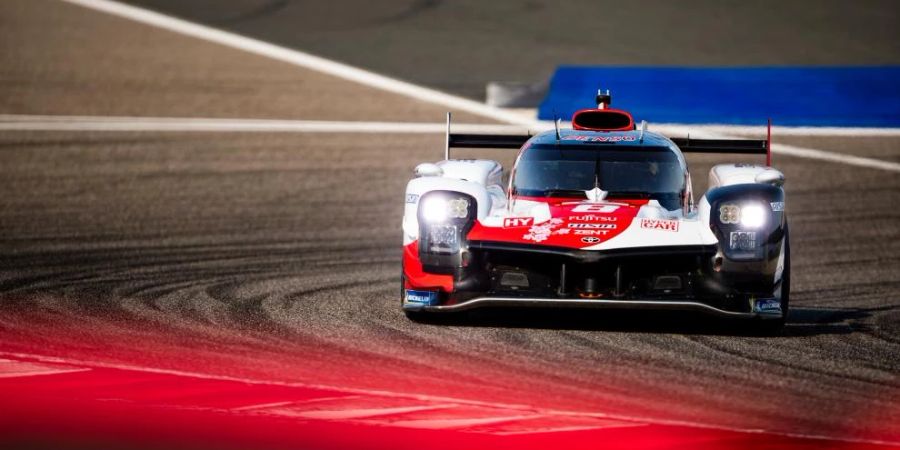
(272, 259)
(459, 46)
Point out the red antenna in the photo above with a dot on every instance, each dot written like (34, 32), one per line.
(769, 143)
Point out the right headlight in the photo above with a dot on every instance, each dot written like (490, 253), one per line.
(750, 215)
(753, 215)
(747, 219)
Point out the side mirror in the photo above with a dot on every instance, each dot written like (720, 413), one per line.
(428, 170)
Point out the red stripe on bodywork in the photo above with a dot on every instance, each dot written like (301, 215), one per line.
(572, 227)
(416, 277)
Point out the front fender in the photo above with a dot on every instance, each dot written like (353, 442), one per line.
(418, 187)
(749, 252)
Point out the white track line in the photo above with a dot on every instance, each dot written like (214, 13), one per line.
(442, 424)
(303, 59)
(10, 368)
(371, 79)
(293, 403)
(263, 406)
(788, 150)
(790, 131)
(529, 410)
(41, 372)
(346, 414)
(568, 429)
(811, 153)
(15, 122)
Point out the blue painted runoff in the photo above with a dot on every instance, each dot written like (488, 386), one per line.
(791, 96)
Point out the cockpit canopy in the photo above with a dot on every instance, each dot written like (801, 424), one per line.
(554, 170)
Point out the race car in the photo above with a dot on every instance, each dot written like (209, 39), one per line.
(601, 215)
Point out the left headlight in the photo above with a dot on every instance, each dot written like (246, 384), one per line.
(439, 209)
(434, 209)
(444, 219)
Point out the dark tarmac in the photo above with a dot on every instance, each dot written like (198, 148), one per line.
(276, 256)
(460, 46)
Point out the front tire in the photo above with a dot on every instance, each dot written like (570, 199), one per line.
(776, 326)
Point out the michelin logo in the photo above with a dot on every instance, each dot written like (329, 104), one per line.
(427, 298)
(769, 305)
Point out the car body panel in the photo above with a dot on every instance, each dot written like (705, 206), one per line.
(593, 250)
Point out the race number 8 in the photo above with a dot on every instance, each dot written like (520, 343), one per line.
(589, 208)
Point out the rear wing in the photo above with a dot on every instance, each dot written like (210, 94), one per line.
(732, 146)
(743, 146)
(686, 145)
(456, 140)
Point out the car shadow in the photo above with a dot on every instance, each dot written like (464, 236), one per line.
(801, 321)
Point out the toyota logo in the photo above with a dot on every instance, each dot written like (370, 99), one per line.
(590, 240)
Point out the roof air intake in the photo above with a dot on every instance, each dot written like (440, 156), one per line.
(602, 120)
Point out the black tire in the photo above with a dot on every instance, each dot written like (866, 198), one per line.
(402, 286)
(776, 326)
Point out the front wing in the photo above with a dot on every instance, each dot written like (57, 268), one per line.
(657, 278)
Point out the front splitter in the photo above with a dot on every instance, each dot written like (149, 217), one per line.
(524, 302)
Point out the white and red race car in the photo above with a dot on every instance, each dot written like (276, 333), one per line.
(598, 216)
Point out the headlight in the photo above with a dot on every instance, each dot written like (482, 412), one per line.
(444, 219)
(729, 213)
(443, 238)
(439, 209)
(458, 208)
(434, 209)
(753, 216)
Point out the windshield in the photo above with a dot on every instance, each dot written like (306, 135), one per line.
(569, 170)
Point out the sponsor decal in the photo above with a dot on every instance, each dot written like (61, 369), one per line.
(540, 233)
(593, 218)
(590, 240)
(743, 240)
(660, 224)
(589, 138)
(767, 305)
(777, 206)
(511, 222)
(412, 198)
(729, 213)
(589, 232)
(426, 298)
(595, 208)
(593, 226)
